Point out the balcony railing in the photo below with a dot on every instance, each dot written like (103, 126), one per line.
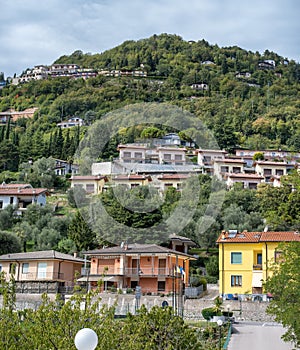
(134, 271)
(37, 276)
(257, 267)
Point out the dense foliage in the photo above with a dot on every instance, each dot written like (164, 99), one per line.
(55, 323)
(257, 111)
(284, 285)
(142, 209)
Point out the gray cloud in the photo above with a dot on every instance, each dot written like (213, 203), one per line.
(35, 32)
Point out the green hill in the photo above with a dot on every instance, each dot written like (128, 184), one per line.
(248, 102)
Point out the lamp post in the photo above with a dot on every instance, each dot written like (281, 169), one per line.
(228, 309)
(220, 323)
(86, 339)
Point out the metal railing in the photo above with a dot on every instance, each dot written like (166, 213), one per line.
(135, 271)
(36, 276)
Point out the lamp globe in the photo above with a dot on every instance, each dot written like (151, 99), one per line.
(86, 339)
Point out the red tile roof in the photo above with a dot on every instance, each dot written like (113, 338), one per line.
(132, 177)
(226, 160)
(22, 191)
(257, 237)
(173, 176)
(287, 236)
(266, 162)
(12, 185)
(88, 177)
(244, 176)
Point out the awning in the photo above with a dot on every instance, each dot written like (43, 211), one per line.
(99, 278)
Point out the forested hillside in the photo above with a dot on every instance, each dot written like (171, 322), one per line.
(246, 104)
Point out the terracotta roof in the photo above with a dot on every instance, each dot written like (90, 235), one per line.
(211, 150)
(132, 146)
(245, 176)
(256, 237)
(173, 176)
(135, 248)
(12, 185)
(132, 177)
(87, 177)
(266, 162)
(174, 237)
(40, 255)
(162, 148)
(287, 236)
(22, 191)
(229, 161)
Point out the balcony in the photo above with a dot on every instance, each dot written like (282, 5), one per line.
(257, 267)
(149, 271)
(134, 271)
(38, 276)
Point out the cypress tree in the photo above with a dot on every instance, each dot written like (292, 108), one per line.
(7, 130)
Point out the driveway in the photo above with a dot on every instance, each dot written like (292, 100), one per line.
(258, 336)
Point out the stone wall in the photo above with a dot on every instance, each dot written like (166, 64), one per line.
(245, 310)
(251, 311)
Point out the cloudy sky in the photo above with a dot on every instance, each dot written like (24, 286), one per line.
(36, 32)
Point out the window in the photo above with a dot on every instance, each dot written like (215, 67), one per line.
(42, 270)
(252, 186)
(267, 171)
(178, 157)
(236, 258)
(259, 258)
(161, 286)
(0, 268)
(138, 155)
(1, 204)
(25, 267)
(278, 256)
(279, 172)
(11, 200)
(236, 281)
(224, 169)
(236, 169)
(127, 154)
(90, 188)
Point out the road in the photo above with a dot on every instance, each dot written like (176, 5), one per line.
(250, 336)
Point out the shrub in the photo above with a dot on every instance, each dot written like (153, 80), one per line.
(208, 313)
(211, 279)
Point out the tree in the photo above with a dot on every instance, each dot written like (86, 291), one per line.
(81, 234)
(77, 197)
(7, 218)
(9, 243)
(40, 173)
(212, 266)
(9, 156)
(258, 156)
(284, 285)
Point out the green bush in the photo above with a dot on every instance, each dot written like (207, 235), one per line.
(208, 313)
(211, 279)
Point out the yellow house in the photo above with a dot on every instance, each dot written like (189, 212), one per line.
(245, 259)
(92, 184)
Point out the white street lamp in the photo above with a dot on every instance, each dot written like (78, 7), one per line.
(86, 339)
(220, 323)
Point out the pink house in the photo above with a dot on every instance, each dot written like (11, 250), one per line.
(41, 271)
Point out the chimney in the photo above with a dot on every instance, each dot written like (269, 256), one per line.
(223, 235)
(75, 254)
